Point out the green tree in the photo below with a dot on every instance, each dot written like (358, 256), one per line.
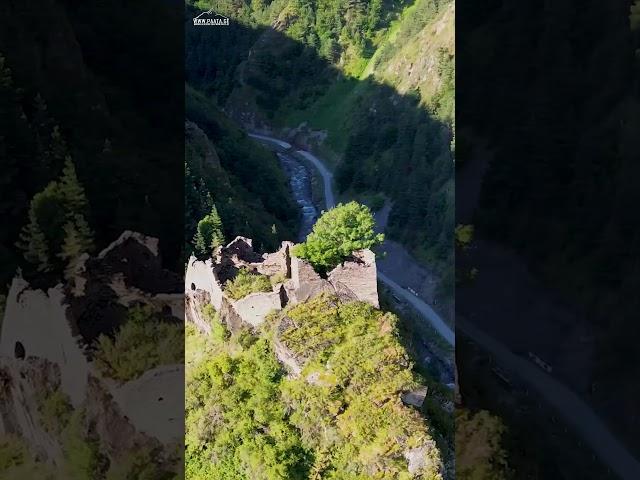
(58, 150)
(337, 234)
(72, 189)
(34, 243)
(209, 234)
(464, 235)
(43, 233)
(57, 227)
(78, 239)
(479, 451)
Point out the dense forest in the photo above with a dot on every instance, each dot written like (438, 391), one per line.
(247, 416)
(76, 133)
(89, 147)
(356, 71)
(226, 170)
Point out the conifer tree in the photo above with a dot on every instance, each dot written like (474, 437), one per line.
(5, 74)
(77, 240)
(209, 234)
(72, 189)
(58, 150)
(34, 243)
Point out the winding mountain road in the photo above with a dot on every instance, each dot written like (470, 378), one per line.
(576, 413)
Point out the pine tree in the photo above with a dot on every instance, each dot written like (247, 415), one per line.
(42, 127)
(5, 74)
(34, 244)
(199, 241)
(72, 189)
(217, 225)
(206, 202)
(58, 151)
(77, 240)
(209, 234)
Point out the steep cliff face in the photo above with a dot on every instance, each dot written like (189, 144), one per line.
(75, 82)
(413, 60)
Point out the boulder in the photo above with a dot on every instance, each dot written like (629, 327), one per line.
(414, 398)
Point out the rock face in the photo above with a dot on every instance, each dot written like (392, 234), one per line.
(36, 325)
(354, 279)
(414, 398)
(23, 382)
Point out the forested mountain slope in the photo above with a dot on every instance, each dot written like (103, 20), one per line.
(225, 169)
(556, 112)
(376, 78)
(71, 86)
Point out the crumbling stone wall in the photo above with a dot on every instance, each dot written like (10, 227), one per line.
(354, 279)
(201, 276)
(357, 277)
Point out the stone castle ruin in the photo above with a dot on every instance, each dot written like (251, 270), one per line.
(46, 344)
(294, 281)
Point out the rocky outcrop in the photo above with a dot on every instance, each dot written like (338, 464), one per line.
(415, 398)
(117, 434)
(419, 459)
(36, 324)
(286, 356)
(202, 276)
(354, 279)
(22, 386)
(151, 403)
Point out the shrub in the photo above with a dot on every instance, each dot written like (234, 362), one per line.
(55, 411)
(13, 452)
(246, 283)
(142, 343)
